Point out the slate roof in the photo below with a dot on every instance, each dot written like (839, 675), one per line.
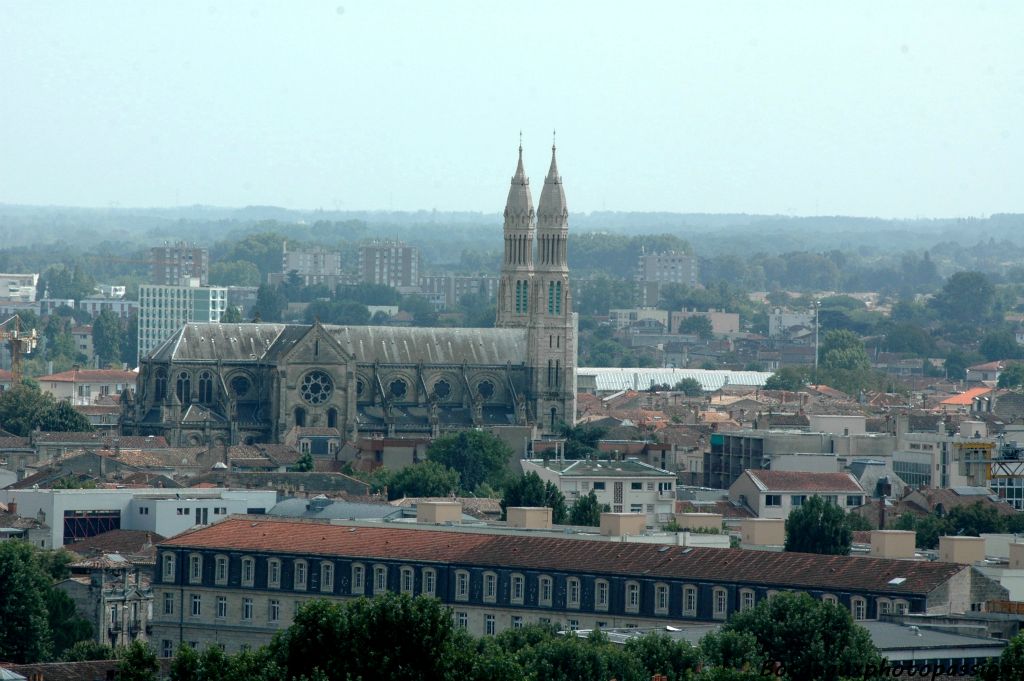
(15, 442)
(628, 468)
(124, 542)
(384, 344)
(798, 481)
(797, 570)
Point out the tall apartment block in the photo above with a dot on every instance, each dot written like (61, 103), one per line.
(314, 265)
(656, 269)
(164, 309)
(392, 263)
(171, 263)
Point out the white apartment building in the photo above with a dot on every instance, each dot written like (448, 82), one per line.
(628, 486)
(774, 494)
(164, 309)
(18, 288)
(73, 514)
(83, 387)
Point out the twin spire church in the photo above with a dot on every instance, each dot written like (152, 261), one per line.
(225, 384)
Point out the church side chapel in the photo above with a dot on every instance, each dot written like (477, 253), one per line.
(226, 384)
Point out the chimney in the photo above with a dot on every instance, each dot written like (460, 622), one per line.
(12, 507)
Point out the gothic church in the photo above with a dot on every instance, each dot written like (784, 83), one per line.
(223, 384)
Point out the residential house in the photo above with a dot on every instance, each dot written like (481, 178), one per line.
(87, 386)
(987, 373)
(773, 494)
(625, 486)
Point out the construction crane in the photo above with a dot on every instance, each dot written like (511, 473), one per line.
(19, 343)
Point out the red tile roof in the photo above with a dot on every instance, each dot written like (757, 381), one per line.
(90, 376)
(798, 570)
(794, 481)
(967, 397)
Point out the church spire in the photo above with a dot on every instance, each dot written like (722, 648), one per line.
(519, 206)
(552, 212)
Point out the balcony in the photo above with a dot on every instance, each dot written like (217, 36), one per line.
(134, 627)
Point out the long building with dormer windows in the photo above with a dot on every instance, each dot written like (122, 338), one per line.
(238, 582)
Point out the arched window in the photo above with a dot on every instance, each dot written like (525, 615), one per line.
(221, 570)
(554, 415)
(690, 600)
(358, 578)
(300, 575)
(884, 606)
(661, 599)
(183, 387)
(168, 567)
(300, 416)
(859, 608)
(720, 602)
(601, 594)
(206, 387)
(572, 592)
(274, 573)
(407, 580)
(248, 571)
(830, 598)
(490, 587)
(380, 579)
(160, 385)
(746, 599)
(518, 588)
(195, 568)
(632, 597)
(546, 590)
(900, 606)
(461, 585)
(326, 577)
(551, 297)
(558, 297)
(332, 418)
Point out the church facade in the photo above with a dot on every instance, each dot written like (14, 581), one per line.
(224, 384)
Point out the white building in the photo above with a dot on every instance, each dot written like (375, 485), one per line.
(780, 321)
(75, 514)
(773, 494)
(85, 386)
(164, 309)
(628, 486)
(18, 288)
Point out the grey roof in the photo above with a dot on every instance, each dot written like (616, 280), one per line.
(411, 345)
(611, 379)
(630, 468)
(300, 508)
(384, 344)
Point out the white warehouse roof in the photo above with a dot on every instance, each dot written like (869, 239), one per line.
(614, 379)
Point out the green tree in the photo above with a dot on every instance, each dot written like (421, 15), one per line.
(421, 309)
(530, 490)
(1009, 666)
(88, 650)
(137, 663)
(1012, 376)
(810, 639)
(818, 526)
(974, 520)
(270, 303)
(586, 511)
(425, 479)
(232, 315)
(966, 298)
(581, 441)
(690, 387)
(234, 273)
(999, 344)
(186, 665)
(477, 455)
(697, 325)
(67, 627)
(732, 649)
(62, 417)
(22, 409)
(106, 337)
(660, 654)
(391, 636)
(843, 349)
(792, 379)
(304, 464)
(25, 636)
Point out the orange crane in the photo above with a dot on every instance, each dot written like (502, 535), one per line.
(19, 343)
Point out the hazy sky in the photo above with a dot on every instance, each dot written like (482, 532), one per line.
(862, 108)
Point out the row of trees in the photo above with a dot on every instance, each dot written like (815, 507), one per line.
(790, 636)
(969, 521)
